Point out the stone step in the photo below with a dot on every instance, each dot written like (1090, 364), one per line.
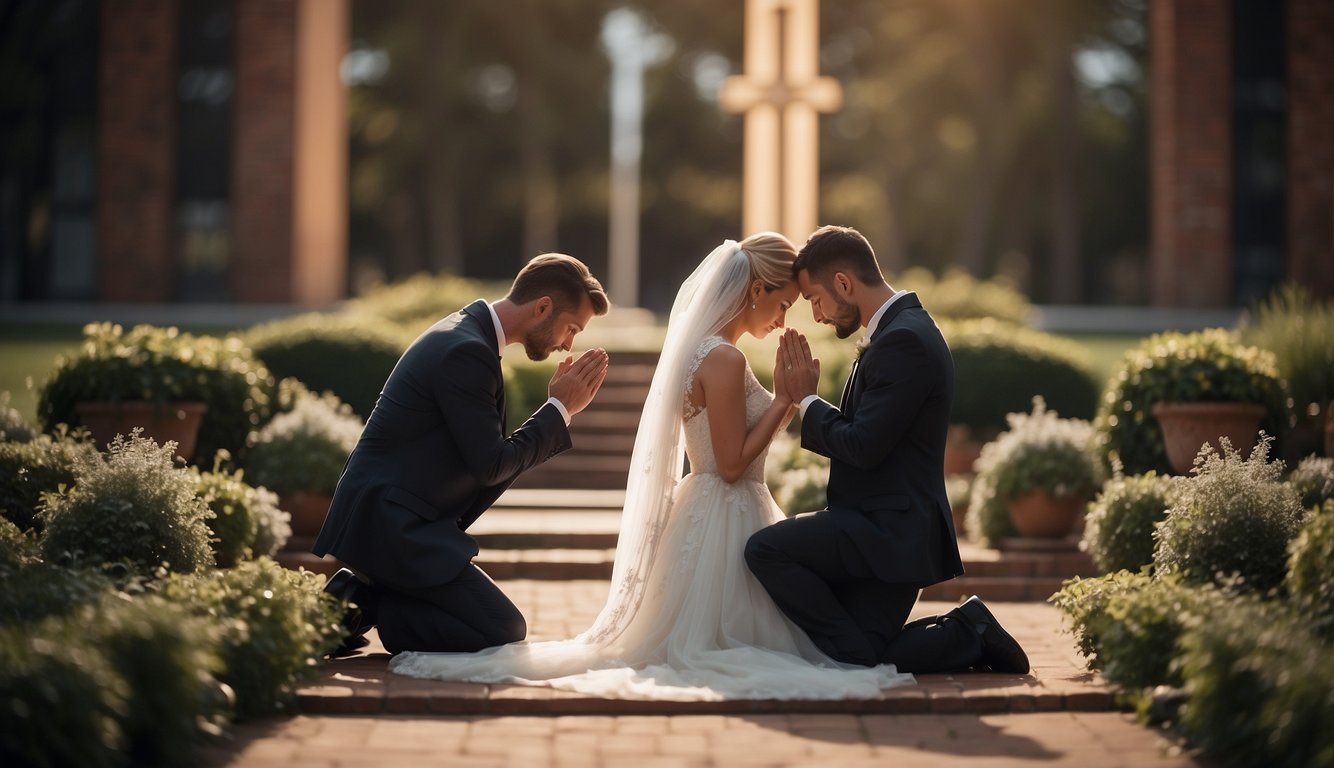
(594, 421)
(628, 374)
(605, 443)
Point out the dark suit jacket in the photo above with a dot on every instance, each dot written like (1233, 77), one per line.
(433, 457)
(886, 444)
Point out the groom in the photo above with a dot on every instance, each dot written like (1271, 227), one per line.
(850, 574)
(434, 456)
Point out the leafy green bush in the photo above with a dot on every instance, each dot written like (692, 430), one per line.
(349, 355)
(41, 590)
(999, 369)
(135, 512)
(163, 365)
(276, 624)
(1299, 330)
(1118, 528)
(419, 301)
(304, 450)
(525, 388)
(1260, 688)
(16, 549)
(1235, 518)
(166, 658)
(27, 470)
(957, 295)
(1129, 625)
(1039, 451)
(61, 704)
(1313, 480)
(234, 522)
(13, 427)
(1085, 601)
(1311, 569)
(1210, 365)
(291, 391)
(797, 478)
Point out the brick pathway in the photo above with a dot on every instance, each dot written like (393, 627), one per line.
(361, 684)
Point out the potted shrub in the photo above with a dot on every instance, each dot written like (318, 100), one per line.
(300, 456)
(1231, 523)
(1035, 478)
(174, 385)
(1209, 371)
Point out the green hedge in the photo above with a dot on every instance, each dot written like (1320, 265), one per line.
(999, 368)
(419, 301)
(27, 470)
(1119, 525)
(956, 295)
(1210, 365)
(348, 355)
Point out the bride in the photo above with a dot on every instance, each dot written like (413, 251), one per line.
(685, 619)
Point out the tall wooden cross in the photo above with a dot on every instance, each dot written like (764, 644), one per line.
(781, 94)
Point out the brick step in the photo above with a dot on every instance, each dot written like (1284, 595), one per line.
(628, 374)
(546, 564)
(552, 475)
(605, 443)
(998, 589)
(593, 420)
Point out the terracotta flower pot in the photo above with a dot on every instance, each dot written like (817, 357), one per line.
(177, 421)
(961, 450)
(1039, 515)
(307, 509)
(1188, 426)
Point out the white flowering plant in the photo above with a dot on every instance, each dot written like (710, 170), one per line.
(1040, 450)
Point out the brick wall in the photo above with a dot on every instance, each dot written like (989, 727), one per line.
(263, 151)
(1311, 144)
(137, 140)
(1191, 152)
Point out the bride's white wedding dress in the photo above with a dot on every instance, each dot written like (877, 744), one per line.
(685, 619)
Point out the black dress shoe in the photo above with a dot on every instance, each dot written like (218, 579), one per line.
(360, 616)
(1000, 652)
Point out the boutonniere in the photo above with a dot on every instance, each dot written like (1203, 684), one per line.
(862, 344)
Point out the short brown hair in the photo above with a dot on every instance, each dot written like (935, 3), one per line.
(564, 278)
(833, 249)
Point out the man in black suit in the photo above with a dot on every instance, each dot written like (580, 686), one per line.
(435, 454)
(850, 574)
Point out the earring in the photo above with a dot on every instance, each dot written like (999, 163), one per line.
(752, 306)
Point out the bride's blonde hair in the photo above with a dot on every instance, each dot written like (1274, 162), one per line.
(771, 256)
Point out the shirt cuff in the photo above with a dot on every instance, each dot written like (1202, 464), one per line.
(806, 403)
(564, 414)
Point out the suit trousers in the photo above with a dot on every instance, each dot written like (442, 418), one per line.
(828, 590)
(466, 614)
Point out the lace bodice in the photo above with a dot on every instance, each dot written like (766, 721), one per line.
(699, 440)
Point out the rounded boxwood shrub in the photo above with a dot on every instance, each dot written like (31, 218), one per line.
(1085, 601)
(132, 514)
(1210, 365)
(162, 365)
(957, 295)
(1232, 522)
(1118, 528)
(999, 369)
(166, 658)
(1260, 688)
(349, 355)
(1040, 450)
(276, 624)
(234, 522)
(42, 590)
(27, 470)
(1313, 480)
(304, 450)
(419, 301)
(1311, 569)
(61, 704)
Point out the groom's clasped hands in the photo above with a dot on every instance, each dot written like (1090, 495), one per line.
(575, 382)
